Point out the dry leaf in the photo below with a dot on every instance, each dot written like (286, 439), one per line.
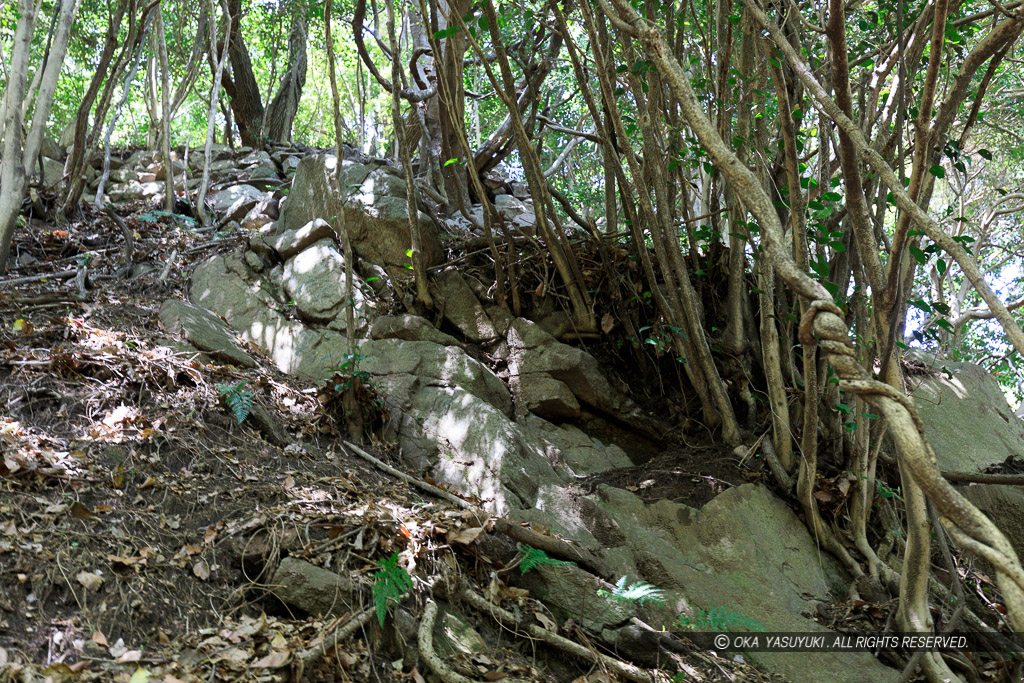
(289, 482)
(465, 536)
(140, 676)
(130, 656)
(275, 659)
(201, 569)
(547, 622)
(100, 639)
(92, 582)
(80, 511)
(607, 323)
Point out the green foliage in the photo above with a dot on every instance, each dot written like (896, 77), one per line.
(640, 592)
(390, 583)
(718, 619)
(533, 558)
(237, 398)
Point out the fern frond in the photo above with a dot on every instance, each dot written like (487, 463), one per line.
(391, 582)
(533, 558)
(238, 400)
(641, 592)
(718, 619)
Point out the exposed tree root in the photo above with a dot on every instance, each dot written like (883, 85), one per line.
(625, 669)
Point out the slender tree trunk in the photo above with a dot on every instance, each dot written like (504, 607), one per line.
(17, 159)
(211, 113)
(165, 118)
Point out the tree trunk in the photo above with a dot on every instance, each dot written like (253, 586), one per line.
(241, 86)
(282, 109)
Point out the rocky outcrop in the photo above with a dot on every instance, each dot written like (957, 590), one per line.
(966, 418)
(374, 202)
(745, 550)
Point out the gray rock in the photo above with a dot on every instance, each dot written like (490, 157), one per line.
(462, 309)
(444, 366)
(315, 279)
(411, 328)
(508, 206)
(291, 242)
(252, 305)
(53, 172)
(233, 199)
(745, 550)
(51, 150)
(312, 589)
(572, 593)
(1004, 505)
(547, 397)
(376, 220)
(204, 330)
(966, 418)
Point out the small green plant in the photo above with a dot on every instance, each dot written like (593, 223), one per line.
(237, 398)
(390, 582)
(533, 558)
(640, 592)
(347, 373)
(717, 619)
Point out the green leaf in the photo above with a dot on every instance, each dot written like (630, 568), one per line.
(450, 162)
(940, 266)
(985, 154)
(937, 171)
(831, 196)
(918, 255)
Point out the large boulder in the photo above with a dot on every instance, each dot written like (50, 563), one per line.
(235, 201)
(433, 364)
(966, 418)
(204, 330)
(254, 307)
(451, 416)
(411, 328)
(745, 551)
(376, 214)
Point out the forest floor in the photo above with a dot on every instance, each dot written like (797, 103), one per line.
(137, 516)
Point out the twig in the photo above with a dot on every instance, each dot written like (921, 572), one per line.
(550, 545)
(620, 667)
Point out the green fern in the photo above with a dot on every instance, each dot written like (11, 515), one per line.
(237, 398)
(641, 592)
(718, 619)
(391, 582)
(533, 558)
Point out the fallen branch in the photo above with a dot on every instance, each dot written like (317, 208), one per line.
(62, 275)
(978, 478)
